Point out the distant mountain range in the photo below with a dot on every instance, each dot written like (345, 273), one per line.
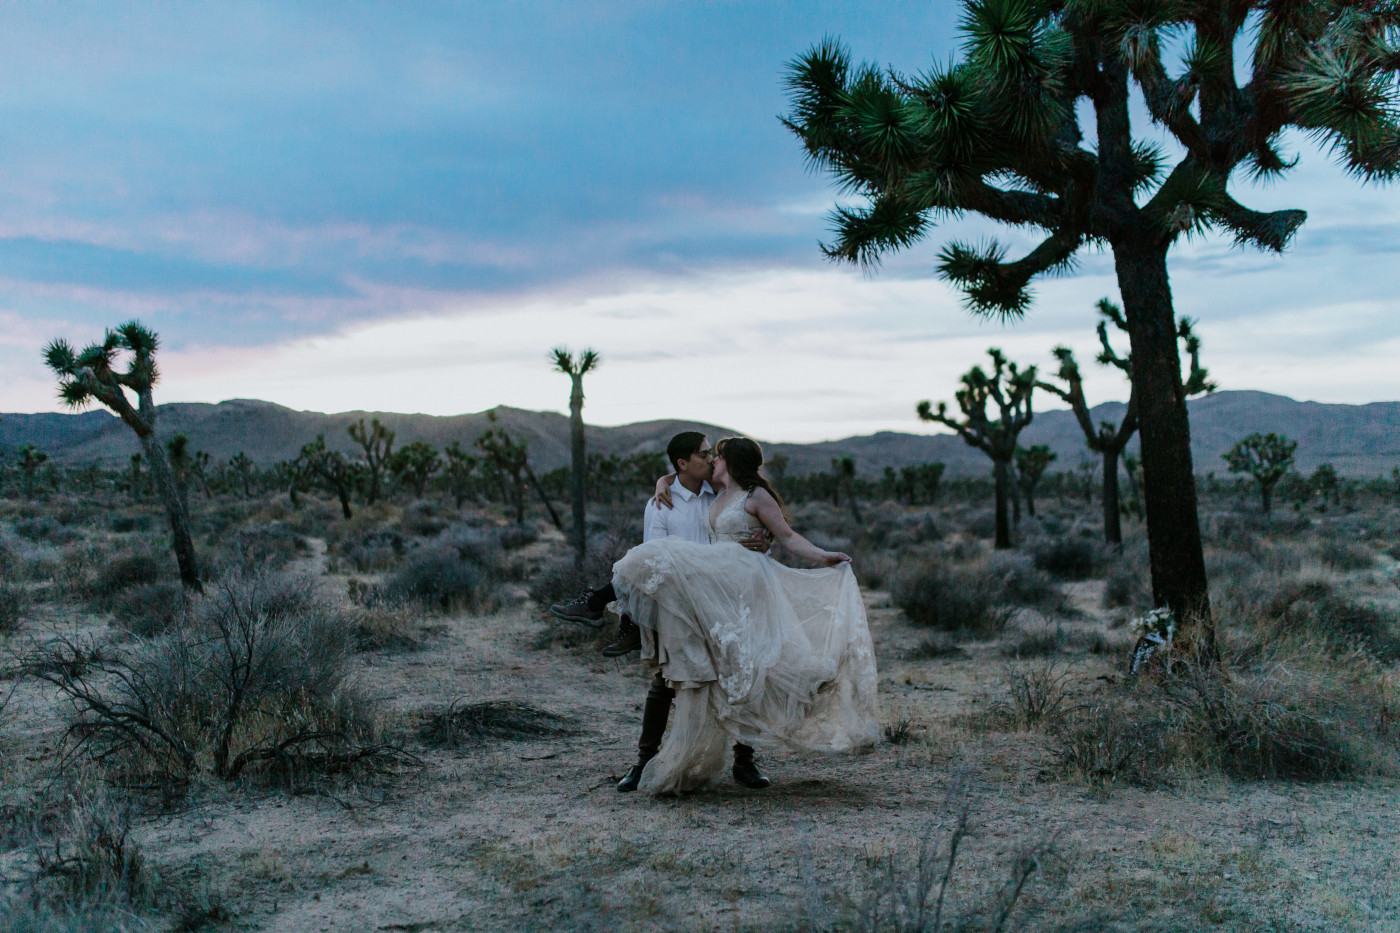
(1359, 440)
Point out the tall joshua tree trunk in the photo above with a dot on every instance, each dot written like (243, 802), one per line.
(1001, 473)
(1112, 522)
(1169, 488)
(576, 368)
(176, 513)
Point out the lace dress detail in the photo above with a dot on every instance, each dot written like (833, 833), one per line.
(759, 652)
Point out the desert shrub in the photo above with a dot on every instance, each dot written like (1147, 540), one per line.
(256, 681)
(81, 869)
(515, 537)
(149, 609)
(1262, 726)
(1038, 643)
(562, 579)
(918, 892)
(1069, 557)
(1035, 693)
(14, 603)
(875, 569)
(1126, 587)
(1344, 555)
(1022, 583)
(140, 568)
(1313, 608)
(11, 554)
(44, 528)
(937, 645)
(1281, 718)
(124, 524)
(264, 547)
(422, 523)
(464, 723)
(951, 598)
(441, 577)
(982, 523)
(1114, 742)
(382, 625)
(370, 551)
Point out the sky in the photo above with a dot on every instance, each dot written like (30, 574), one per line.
(403, 207)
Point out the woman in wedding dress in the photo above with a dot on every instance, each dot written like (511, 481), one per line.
(757, 652)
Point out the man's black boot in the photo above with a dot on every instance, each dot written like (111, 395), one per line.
(655, 712)
(629, 639)
(746, 773)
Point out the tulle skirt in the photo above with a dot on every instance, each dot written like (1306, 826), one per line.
(758, 652)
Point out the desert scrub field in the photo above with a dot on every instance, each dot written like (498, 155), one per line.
(372, 724)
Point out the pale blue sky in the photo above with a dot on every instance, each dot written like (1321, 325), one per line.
(402, 206)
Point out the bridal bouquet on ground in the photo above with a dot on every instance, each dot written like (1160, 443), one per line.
(1154, 631)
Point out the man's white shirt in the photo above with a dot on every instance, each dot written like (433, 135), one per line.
(688, 517)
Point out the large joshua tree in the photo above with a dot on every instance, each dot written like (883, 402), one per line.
(576, 369)
(998, 133)
(94, 375)
(1109, 440)
(1008, 387)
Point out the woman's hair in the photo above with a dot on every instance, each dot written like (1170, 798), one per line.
(743, 457)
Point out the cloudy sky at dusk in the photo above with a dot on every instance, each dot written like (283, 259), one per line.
(403, 206)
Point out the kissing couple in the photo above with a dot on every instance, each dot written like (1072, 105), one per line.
(748, 650)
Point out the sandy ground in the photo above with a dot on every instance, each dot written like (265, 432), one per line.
(531, 835)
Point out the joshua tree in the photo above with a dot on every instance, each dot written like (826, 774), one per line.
(998, 133)
(776, 468)
(843, 473)
(576, 369)
(921, 482)
(1266, 457)
(92, 375)
(459, 469)
(378, 444)
(1031, 464)
(1324, 481)
(1010, 388)
(30, 459)
(414, 464)
(241, 465)
(511, 459)
(1109, 440)
(330, 467)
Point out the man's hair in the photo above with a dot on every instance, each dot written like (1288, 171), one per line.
(683, 446)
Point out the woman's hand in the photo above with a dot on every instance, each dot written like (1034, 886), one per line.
(663, 491)
(835, 558)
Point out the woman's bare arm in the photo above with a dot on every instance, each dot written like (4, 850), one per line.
(764, 507)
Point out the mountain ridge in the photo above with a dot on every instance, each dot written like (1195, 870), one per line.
(1359, 440)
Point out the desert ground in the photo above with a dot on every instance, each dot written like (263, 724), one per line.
(469, 743)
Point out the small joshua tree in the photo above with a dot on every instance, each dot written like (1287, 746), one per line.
(576, 369)
(1325, 483)
(1266, 457)
(843, 472)
(1009, 387)
(414, 464)
(1031, 464)
(511, 459)
(30, 459)
(92, 375)
(378, 444)
(459, 469)
(1110, 440)
(330, 468)
(241, 465)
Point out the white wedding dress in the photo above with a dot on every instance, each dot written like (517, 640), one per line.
(758, 652)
